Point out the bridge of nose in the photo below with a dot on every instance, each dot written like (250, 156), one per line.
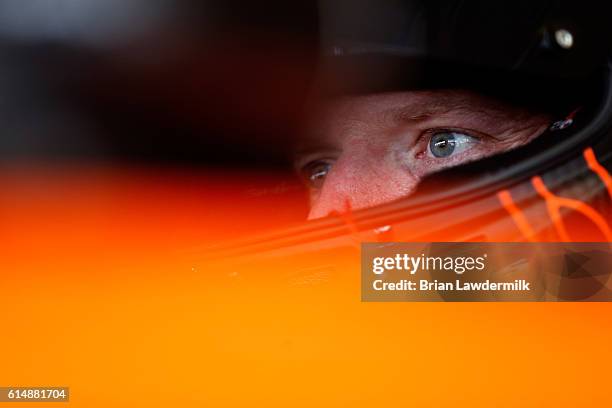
(365, 175)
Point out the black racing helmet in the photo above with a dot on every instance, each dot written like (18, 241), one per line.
(552, 56)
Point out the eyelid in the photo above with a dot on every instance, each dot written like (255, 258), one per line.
(304, 158)
(468, 132)
(313, 163)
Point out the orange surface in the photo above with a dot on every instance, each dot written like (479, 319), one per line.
(95, 295)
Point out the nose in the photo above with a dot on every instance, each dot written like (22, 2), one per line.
(362, 179)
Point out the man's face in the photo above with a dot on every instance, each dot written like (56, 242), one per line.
(368, 150)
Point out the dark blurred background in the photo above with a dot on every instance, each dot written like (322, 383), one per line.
(188, 83)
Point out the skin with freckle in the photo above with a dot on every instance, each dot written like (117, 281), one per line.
(367, 150)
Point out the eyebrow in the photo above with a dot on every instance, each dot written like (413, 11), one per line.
(403, 116)
(407, 113)
(411, 114)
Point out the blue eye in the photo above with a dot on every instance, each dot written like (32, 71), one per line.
(314, 173)
(445, 144)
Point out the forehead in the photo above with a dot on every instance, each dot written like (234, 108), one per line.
(417, 102)
(398, 108)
